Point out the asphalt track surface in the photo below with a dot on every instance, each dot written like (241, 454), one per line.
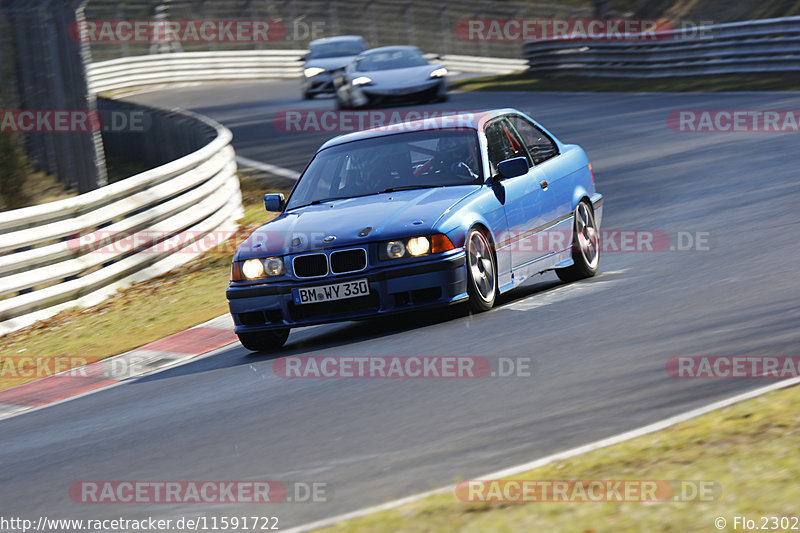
(598, 347)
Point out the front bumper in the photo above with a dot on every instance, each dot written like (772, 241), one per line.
(322, 83)
(377, 95)
(420, 284)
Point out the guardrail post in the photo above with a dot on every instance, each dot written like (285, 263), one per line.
(52, 76)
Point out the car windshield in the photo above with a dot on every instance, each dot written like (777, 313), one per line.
(391, 59)
(412, 160)
(336, 49)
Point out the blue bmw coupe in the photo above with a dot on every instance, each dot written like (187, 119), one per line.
(455, 208)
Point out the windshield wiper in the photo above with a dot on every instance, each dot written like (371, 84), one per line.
(409, 188)
(323, 200)
(390, 189)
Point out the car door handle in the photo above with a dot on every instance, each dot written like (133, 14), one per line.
(544, 184)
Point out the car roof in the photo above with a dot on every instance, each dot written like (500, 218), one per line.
(336, 39)
(463, 119)
(390, 49)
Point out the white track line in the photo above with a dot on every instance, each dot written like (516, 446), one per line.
(580, 450)
(559, 294)
(266, 167)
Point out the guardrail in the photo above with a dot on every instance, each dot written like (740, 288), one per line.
(769, 45)
(190, 67)
(78, 251)
(186, 67)
(488, 65)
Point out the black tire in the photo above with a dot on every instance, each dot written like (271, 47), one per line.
(265, 341)
(481, 272)
(585, 246)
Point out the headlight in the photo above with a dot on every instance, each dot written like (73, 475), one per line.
(415, 246)
(395, 249)
(439, 73)
(310, 72)
(361, 80)
(273, 266)
(253, 269)
(418, 246)
(257, 269)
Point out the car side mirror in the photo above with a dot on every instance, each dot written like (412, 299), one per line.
(511, 168)
(274, 202)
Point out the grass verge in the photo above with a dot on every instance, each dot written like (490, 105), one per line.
(37, 188)
(749, 449)
(143, 313)
(732, 82)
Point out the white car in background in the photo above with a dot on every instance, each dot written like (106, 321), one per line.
(390, 74)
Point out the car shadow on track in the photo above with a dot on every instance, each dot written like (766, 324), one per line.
(310, 341)
(313, 339)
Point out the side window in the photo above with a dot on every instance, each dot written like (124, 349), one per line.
(503, 143)
(540, 146)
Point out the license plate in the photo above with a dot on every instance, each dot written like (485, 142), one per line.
(327, 293)
(405, 90)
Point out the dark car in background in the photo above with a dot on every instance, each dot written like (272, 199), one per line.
(327, 56)
(390, 74)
